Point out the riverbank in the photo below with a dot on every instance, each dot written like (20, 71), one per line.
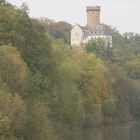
(117, 131)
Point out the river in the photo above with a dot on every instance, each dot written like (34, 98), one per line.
(129, 131)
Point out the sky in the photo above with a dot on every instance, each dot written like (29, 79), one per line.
(122, 14)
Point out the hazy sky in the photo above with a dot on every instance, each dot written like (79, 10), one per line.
(123, 14)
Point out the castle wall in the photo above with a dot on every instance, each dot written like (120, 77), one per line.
(76, 36)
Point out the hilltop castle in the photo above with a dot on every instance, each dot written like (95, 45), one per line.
(80, 35)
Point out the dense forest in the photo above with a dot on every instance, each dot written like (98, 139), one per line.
(48, 91)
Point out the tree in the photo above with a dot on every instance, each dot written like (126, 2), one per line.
(122, 91)
(133, 68)
(13, 70)
(5, 126)
(60, 30)
(109, 107)
(89, 82)
(13, 114)
(2, 1)
(116, 56)
(99, 47)
(39, 126)
(24, 8)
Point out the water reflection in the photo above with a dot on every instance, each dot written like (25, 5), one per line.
(129, 131)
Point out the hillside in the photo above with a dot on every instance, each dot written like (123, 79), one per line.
(49, 91)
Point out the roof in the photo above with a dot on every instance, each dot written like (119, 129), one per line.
(100, 30)
(96, 31)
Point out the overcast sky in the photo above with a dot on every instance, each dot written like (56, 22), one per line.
(122, 14)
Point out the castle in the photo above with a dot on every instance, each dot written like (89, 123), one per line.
(80, 35)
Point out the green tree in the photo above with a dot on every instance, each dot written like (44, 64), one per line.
(2, 1)
(109, 107)
(133, 68)
(99, 47)
(91, 75)
(39, 126)
(60, 30)
(24, 8)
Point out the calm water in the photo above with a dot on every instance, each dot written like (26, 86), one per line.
(129, 131)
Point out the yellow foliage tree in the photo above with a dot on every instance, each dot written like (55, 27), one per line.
(13, 70)
(14, 110)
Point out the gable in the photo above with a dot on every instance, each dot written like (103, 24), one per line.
(77, 29)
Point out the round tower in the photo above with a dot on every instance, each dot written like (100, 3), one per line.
(93, 16)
